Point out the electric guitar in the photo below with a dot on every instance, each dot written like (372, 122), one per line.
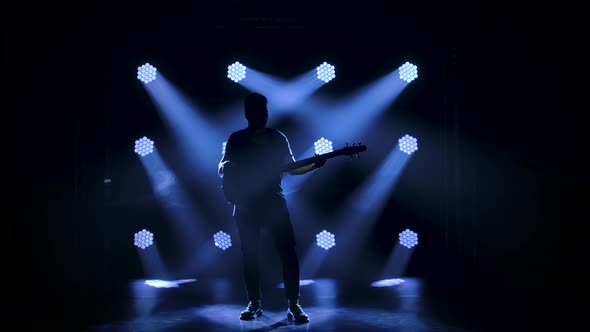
(230, 181)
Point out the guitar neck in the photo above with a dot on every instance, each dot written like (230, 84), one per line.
(308, 161)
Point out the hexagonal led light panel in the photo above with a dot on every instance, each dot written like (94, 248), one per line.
(408, 238)
(326, 72)
(143, 239)
(322, 146)
(146, 73)
(144, 146)
(408, 144)
(325, 239)
(408, 72)
(222, 240)
(236, 71)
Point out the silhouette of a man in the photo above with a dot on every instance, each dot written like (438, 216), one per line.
(253, 156)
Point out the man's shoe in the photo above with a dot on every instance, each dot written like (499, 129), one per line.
(253, 310)
(295, 312)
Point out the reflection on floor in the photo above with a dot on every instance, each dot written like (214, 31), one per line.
(386, 305)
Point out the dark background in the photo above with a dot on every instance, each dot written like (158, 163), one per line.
(497, 95)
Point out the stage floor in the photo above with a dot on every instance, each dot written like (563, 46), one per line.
(407, 304)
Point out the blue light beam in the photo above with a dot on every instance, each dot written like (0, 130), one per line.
(355, 114)
(192, 129)
(366, 203)
(149, 255)
(283, 95)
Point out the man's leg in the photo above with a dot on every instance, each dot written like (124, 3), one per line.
(249, 231)
(290, 262)
(282, 231)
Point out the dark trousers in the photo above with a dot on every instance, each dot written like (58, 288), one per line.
(273, 216)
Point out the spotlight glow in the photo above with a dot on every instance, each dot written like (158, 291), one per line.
(236, 71)
(326, 72)
(146, 73)
(387, 282)
(408, 238)
(143, 239)
(408, 72)
(223, 148)
(325, 239)
(408, 144)
(144, 146)
(222, 240)
(322, 146)
(303, 282)
(157, 283)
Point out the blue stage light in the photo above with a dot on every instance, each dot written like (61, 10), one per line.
(408, 72)
(408, 144)
(146, 73)
(408, 238)
(326, 72)
(222, 240)
(236, 71)
(143, 239)
(322, 146)
(325, 239)
(144, 146)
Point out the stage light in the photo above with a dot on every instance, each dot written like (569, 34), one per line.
(236, 72)
(146, 73)
(325, 72)
(223, 145)
(144, 146)
(325, 239)
(408, 238)
(408, 72)
(322, 146)
(408, 144)
(143, 239)
(222, 240)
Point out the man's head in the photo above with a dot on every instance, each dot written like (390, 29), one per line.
(255, 110)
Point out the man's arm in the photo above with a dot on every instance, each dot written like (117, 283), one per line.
(308, 168)
(302, 170)
(289, 158)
